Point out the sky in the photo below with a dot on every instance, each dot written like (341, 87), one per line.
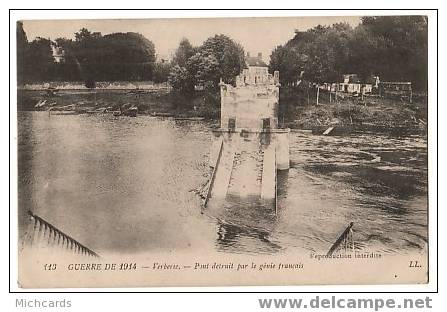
(255, 34)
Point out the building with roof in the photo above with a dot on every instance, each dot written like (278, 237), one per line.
(57, 52)
(253, 102)
(256, 71)
(353, 84)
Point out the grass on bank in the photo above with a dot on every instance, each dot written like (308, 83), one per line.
(297, 110)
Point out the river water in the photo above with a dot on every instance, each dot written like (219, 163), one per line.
(125, 185)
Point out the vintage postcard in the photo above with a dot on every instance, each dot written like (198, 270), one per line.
(222, 151)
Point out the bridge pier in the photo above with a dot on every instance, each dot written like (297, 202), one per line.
(245, 163)
(249, 148)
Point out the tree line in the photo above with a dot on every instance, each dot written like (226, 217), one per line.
(391, 47)
(90, 57)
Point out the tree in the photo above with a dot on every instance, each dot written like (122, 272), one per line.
(161, 72)
(127, 56)
(205, 70)
(90, 57)
(180, 80)
(228, 54)
(40, 62)
(22, 51)
(327, 53)
(117, 56)
(402, 47)
(183, 53)
(218, 57)
(290, 62)
(392, 47)
(366, 54)
(84, 35)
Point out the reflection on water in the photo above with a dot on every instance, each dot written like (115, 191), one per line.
(125, 185)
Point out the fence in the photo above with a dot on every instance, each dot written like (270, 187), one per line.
(42, 232)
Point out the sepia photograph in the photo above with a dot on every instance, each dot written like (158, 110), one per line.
(222, 151)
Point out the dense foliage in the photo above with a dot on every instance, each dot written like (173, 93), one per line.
(184, 51)
(161, 72)
(391, 47)
(22, 48)
(90, 57)
(218, 57)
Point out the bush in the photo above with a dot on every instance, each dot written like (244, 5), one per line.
(161, 72)
(352, 112)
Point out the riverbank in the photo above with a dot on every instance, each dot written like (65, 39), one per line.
(349, 112)
(160, 103)
(100, 85)
(345, 115)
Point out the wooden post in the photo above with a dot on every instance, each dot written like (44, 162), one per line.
(308, 100)
(318, 93)
(330, 95)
